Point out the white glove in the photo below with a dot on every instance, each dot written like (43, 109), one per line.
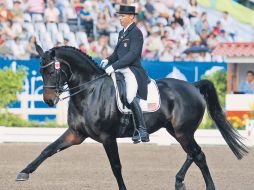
(109, 70)
(104, 63)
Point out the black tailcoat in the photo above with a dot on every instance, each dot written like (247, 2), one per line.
(127, 53)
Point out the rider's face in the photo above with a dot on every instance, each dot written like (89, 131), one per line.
(125, 19)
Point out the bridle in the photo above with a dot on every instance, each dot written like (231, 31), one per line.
(57, 63)
(59, 89)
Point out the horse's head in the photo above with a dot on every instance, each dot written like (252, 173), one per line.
(55, 73)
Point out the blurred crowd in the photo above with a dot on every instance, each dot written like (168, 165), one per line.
(172, 32)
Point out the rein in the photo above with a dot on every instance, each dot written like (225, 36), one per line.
(59, 90)
(83, 84)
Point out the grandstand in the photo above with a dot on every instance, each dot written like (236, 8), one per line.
(93, 27)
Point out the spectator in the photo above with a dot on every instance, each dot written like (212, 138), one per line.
(226, 24)
(140, 12)
(18, 49)
(102, 24)
(5, 51)
(217, 28)
(203, 24)
(153, 44)
(17, 12)
(60, 5)
(178, 16)
(30, 48)
(167, 53)
(184, 27)
(160, 9)
(77, 5)
(97, 46)
(86, 20)
(248, 85)
(203, 38)
(179, 47)
(105, 4)
(8, 30)
(212, 41)
(193, 11)
(176, 31)
(141, 26)
(35, 6)
(82, 47)
(104, 52)
(51, 13)
(66, 42)
(24, 35)
(189, 57)
(222, 37)
(5, 14)
(115, 25)
(204, 57)
(149, 7)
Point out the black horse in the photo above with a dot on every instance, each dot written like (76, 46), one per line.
(93, 112)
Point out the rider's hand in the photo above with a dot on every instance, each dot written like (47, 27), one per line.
(104, 63)
(109, 70)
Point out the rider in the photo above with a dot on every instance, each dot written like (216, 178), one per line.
(126, 59)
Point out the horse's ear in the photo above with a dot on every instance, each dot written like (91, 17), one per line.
(39, 49)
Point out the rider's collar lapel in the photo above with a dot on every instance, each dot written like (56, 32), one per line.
(123, 34)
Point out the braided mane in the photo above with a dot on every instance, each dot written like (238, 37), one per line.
(88, 57)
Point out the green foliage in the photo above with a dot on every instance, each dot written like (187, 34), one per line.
(11, 83)
(11, 120)
(219, 80)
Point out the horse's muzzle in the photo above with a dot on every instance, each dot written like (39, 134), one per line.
(50, 97)
(51, 102)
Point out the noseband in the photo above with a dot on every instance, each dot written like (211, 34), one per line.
(60, 89)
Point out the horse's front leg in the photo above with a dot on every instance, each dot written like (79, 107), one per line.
(110, 146)
(69, 138)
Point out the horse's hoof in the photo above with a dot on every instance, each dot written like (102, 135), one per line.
(180, 186)
(22, 177)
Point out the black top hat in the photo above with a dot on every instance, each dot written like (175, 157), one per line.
(126, 9)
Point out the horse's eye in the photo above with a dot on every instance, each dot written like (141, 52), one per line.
(51, 73)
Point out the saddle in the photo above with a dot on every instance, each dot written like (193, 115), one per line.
(152, 103)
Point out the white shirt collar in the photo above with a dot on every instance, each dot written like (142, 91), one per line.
(125, 29)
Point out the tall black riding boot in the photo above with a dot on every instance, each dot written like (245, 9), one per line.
(139, 123)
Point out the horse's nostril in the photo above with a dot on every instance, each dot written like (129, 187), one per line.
(49, 102)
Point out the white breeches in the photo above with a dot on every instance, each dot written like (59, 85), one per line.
(131, 83)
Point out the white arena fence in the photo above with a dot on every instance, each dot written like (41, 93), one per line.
(25, 110)
(161, 137)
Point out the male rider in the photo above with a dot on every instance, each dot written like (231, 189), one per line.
(126, 59)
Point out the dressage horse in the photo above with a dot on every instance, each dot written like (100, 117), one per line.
(93, 112)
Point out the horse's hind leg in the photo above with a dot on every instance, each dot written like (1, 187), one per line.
(68, 139)
(179, 185)
(194, 151)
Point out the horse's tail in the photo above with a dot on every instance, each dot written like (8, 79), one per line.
(231, 136)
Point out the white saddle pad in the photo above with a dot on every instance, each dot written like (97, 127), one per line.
(152, 103)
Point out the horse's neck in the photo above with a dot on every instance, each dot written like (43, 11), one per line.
(83, 70)
(92, 94)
